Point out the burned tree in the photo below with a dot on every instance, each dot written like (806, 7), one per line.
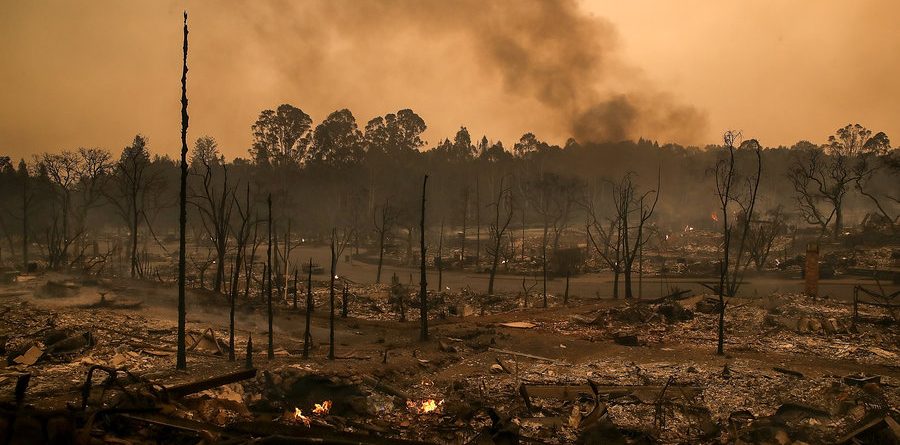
(551, 196)
(241, 236)
(503, 213)
(132, 183)
(214, 200)
(643, 210)
(337, 248)
(423, 283)
(271, 348)
(181, 361)
(75, 180)
(764, 231)
(384, 221)
(605, 236)
(821, 177)
(729, 190)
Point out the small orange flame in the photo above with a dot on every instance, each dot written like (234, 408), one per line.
(322, 409)
(714, 216)
(425, 407)
(298, 415)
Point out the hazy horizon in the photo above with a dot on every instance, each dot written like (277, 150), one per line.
(96, 74)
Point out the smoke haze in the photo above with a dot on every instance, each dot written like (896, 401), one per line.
(97, 73)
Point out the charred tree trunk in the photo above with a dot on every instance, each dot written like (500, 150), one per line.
(270, 351)
(331, 299)
(181, 359)
(134, 237)
(233, 293)
(248, 275)
(423, 284)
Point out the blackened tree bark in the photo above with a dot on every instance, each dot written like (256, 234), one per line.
(331, 298)
(423, 283)
(498, 229)
(383, 225)
(270, 351)
(181, 360)
(241, 237)
(726, 177)
(27, 198)
(214, 205)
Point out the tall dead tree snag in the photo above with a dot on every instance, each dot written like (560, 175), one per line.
(503, 213)
(423, 283)
(338, 244)
(181, 360)
(605, 236)
(214, 200)
(331, 297)
(633, 236)
(241, 237)
(270, 352)
(730, 192)
(620, 238)
(384, 224)
(551, 197)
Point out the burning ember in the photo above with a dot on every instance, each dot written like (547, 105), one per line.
(298, 415)
(322, 409)
(425, 407)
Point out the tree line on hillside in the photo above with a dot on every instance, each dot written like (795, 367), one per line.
(60, 206)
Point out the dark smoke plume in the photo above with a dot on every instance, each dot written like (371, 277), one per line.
(549, 51)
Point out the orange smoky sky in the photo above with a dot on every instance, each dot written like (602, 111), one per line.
(96, 73)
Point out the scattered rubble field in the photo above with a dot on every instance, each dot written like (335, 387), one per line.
(94, 362)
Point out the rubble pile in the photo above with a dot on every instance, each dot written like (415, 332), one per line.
(798, 371)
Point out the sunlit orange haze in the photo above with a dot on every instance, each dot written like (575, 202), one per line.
(95, 73)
